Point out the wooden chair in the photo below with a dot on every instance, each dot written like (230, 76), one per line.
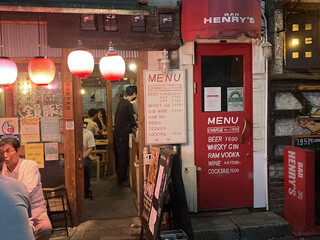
(57, 206)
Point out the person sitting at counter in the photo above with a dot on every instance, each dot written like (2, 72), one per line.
(102, 119)
(15, 208)
(90, 122)
(102, 124)
(27, 172)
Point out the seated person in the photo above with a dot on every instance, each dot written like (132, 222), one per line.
(15, 208)
(27, 172)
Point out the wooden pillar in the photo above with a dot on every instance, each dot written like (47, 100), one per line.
(110, 166)
(72, 140)
(142, 64)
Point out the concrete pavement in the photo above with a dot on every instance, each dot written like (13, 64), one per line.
(112, 214)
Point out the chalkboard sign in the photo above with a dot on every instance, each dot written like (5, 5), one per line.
(168, 184)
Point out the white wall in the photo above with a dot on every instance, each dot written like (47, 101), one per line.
(259, 107)
(189, 173)
(186, 59)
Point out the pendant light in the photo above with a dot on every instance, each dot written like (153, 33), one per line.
(41, 69)
(80, 62)
(112, 66)
(8, 68)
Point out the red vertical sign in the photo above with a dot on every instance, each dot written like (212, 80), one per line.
(67, 100)
(299, 187)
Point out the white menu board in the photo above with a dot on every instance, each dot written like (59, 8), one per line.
(165, 107)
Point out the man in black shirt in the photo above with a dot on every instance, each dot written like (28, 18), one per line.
(124, 122)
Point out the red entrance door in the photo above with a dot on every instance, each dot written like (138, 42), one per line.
(223, 125)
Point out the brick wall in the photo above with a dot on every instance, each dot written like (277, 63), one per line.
(276, 188)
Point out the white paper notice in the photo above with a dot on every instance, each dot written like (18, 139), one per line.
(152, 220)
(235, 99)
(212, 99)
(160, 173)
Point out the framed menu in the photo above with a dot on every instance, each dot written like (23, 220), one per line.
(165, 107)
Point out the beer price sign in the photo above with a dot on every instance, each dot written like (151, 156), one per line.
(165, 107)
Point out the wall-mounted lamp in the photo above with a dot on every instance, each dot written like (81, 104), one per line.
(82, 91)
(26, 88)
(133, 67)
(266, 49)
(165, 62)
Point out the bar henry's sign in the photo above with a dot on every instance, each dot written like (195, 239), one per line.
(165, 107)
(217, 19)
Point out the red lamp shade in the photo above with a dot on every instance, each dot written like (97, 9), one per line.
(41, 70)
(112, 67)
(9, 87)
(8, 72)
(81, 63)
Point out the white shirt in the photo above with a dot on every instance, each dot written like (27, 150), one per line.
(88, 140)
(91, 125)
(27, 172)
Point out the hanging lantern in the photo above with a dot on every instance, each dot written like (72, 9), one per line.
(112, 66)
(80, 62)
(8, 72)
(9, 88)
(41, 70)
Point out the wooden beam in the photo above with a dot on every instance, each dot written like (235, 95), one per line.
(78, 129)
(142, 64)
(110, 167)
(77, 10)
(70, 162)
(309, 88)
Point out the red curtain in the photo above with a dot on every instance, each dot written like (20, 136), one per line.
(206, 19)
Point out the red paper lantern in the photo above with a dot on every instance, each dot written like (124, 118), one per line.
(41, 70)
(9, 87)
(8, 72)
(112, 66)
(81, 63)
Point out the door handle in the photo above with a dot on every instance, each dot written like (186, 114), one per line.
(244, 130)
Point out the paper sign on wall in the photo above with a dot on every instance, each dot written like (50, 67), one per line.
(50, 130)
(30, 129)
(212, 99)
(34, 151)
(235, 99)
(51, 151)
(9, 127)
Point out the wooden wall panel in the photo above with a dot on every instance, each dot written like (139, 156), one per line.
(64, 30)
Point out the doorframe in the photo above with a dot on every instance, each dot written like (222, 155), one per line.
(198, 88)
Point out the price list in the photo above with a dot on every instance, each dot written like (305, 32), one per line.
(165, 107)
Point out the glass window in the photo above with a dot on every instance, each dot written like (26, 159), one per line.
(222, 83)
(295, 27)
(308, 26)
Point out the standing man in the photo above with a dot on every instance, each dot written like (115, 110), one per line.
(27, 172)
(124, 122)
(15, 208)
(88, 146)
